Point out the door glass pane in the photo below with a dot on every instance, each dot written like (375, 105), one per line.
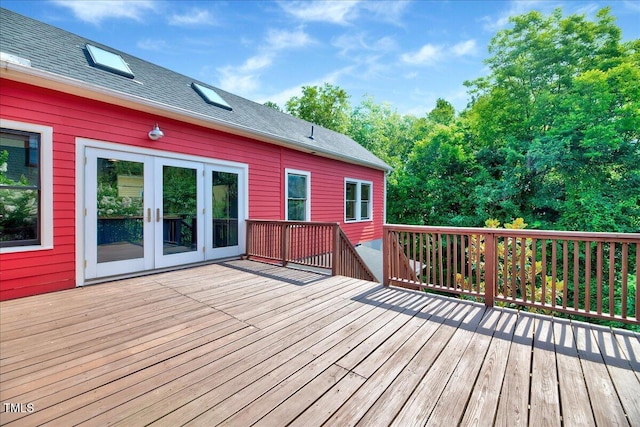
(120, 210)
(225, 209)
(179, 204)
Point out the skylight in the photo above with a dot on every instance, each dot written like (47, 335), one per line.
(109, 61)
(210, 96)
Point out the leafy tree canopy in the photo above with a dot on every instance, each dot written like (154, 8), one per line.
(326, 106)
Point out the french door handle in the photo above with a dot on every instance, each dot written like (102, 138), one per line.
(157, 214)
(148, 214)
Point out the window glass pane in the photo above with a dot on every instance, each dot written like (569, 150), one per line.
(297, 185)
(350, 209)
(296, 210)
(17, 150)
(210, 96)
(365, 191)
(18, 215)
(109, 61)
(351, 190)
(364, 210)
(19, 188)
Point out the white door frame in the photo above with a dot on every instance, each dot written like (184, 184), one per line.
(82, 144)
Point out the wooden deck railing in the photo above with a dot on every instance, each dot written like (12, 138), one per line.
(586, 274)
(313, 244)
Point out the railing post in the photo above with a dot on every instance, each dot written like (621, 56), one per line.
(248, 246)
(335, 256)
(284, 243)
(386, 254)
(490, 266)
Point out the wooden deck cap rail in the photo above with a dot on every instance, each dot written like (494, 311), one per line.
(321, 245)
(586, 274)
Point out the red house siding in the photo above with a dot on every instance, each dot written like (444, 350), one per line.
(28, 273)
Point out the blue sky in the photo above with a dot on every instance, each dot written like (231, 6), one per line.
(405, 53)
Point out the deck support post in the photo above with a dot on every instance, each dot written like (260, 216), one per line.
(335, 256)
(249, 239)
(490, 266)
(386, 254)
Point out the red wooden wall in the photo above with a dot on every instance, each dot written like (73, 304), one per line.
(28, 273)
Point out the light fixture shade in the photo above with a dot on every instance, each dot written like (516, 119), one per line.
(155, 133)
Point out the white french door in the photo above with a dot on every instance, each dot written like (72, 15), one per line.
(144, 212)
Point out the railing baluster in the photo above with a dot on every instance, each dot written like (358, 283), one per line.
(565, 273)
(612, 270)
(576, 273)
(554, 271)
(440, 260)
(637, 280)
(599, 268)
(514, 257)
(587, 276)
(478, 250)
(534, 256)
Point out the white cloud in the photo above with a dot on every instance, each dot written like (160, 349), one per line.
(245, 79)
(464, 48)
(516, 7)
(388, 11)
(428, 54)
(335, 12)
(348, 43)
(256, 63)
(192, 18)
(243, 85)
(156, 45)
(431, 54)
(95, 12)
(278, 40)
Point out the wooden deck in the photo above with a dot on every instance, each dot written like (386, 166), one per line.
(243, 343)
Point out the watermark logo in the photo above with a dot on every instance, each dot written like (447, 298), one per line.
(18, 408)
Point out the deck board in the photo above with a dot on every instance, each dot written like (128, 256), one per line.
(243, 343)
(574, 396)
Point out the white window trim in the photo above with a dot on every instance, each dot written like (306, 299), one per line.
(46, 184)
(288, 171)
(358, 212)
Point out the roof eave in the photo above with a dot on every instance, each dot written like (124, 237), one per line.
(45, 79)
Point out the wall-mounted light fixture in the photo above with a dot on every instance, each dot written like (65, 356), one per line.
(155, 133)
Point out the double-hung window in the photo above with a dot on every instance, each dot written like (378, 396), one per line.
(25, 186)
(298, 191)
(357, 200)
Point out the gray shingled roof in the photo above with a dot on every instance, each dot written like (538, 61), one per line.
(57, 51)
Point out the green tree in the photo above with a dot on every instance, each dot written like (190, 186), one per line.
(556, 124)
(439, 175)
(383, 131)
(444, 113)
(273, 105)
(326, 106)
